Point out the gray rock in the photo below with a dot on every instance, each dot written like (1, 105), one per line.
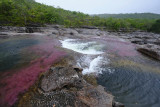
(65, 87)
(57, 78)
(56, 32)
(150, 50)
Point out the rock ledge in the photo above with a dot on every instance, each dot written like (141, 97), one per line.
(65, 87)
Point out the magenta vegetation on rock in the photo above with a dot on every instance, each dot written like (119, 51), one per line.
(20, 80)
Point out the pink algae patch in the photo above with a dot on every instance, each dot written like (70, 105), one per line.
(122, 48)
(21, 80)
(119, 46)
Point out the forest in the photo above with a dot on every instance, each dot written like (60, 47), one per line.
(25, 12)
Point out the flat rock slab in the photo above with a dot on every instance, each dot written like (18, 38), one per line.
(150, 50)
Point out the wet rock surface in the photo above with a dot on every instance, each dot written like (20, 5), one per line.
(65, 87)
(147, 43)
(150, 50)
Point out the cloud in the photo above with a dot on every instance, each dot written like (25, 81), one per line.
(106, 6)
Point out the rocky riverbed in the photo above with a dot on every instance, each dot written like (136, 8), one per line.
(57, 66)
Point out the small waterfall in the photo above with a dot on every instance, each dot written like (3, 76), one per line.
(94, 66)
(92, 58)
(89, 48)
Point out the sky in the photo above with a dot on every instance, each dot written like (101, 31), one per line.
(106, 6)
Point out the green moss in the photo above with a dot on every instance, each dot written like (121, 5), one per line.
(91, 79)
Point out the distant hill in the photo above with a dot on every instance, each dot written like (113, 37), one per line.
(133, 15)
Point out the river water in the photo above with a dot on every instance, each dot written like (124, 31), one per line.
(22, 59)
(132, 78)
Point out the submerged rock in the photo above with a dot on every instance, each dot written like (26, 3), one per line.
(117, 104)
(65, 87)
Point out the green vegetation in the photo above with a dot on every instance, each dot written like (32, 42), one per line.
(132, 15)
(155, 27)
(25, 12)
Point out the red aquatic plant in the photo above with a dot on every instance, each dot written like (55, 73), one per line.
(22, 79)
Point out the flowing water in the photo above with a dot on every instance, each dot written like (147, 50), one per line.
(133, 79)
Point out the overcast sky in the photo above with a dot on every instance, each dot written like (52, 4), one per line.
(106, 6)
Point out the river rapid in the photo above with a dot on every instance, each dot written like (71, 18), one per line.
(132, 78)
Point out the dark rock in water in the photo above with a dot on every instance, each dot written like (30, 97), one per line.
(65, 87)
(150, 51)
(117, 104)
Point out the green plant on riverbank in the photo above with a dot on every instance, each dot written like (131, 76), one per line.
(24, 12)
(155, 27)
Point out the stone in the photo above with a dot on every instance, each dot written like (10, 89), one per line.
(65, 87)
(117, 104)
(55, 32)
(57, 78)
(150, 50)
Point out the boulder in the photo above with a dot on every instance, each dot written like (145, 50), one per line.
(57, 78)
(150, 50)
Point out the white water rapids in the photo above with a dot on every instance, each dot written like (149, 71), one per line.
(89, 48)
(92, 58)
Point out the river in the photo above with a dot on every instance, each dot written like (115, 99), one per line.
(132, 78)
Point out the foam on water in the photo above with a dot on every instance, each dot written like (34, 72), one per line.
(93, 66)
(91, 48)
(92, 61)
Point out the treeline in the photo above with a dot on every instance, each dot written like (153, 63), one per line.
(25, 12)
(131, 15)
